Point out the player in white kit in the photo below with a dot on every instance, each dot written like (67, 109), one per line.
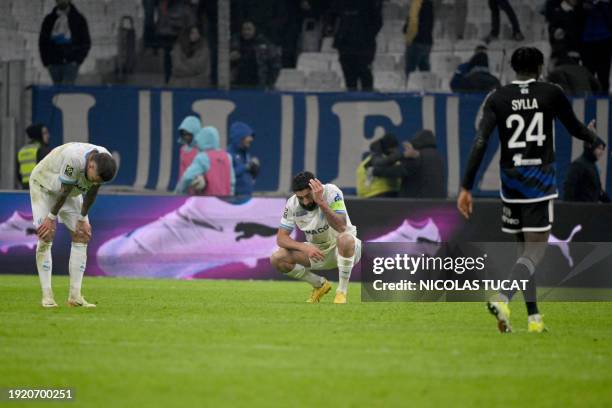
(63, 186)
(331, 240)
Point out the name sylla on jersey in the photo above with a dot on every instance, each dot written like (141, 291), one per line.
(524, 104)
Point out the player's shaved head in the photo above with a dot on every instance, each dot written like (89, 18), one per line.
(106, 166)
(527, 61)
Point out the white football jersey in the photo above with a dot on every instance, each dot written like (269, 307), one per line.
(313, 223)
(66, 164)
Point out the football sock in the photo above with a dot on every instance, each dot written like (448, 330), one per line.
(345, 266)
(522, 269)
(76, 268)
(44, 265)
(302, 273)
(531, 297)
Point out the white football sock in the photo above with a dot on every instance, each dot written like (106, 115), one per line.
(76, 268)
(303, 274)
(345, 266)
(44, 265)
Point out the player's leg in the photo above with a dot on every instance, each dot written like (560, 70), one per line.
(78, 251)
(296, 264)
(346, 245)
(41, 205)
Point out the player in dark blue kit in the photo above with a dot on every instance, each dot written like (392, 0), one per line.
(524, 113)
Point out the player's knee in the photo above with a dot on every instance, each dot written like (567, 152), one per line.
(345, 243)
(80, 238)
(277, 258)
(43, 246)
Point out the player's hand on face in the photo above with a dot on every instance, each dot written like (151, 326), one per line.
(317, 191)
(464, 203)
(83, 229)
(314, 253)
(46, 230)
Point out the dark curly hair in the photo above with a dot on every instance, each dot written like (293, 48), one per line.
(301, 180)
(527, 61)
(106, 166)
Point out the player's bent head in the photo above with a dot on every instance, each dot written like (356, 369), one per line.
(527, 61)
(103, 168)
(301, 181)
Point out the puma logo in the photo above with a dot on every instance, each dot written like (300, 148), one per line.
(250, 229)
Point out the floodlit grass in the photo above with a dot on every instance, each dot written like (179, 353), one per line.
(164, 343)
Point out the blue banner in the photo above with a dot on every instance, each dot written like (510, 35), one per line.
(323, 132)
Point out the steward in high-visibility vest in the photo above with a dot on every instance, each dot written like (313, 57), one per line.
(32, 153)
(369, 186)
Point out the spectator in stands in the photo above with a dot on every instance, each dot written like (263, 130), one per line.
(564, 25)
(246, 167)
(191, 60)
(383, 152)
(474, 75)
(33, 152)
(597, 40)
(255, 60)
(64, 42)
(582, 182)
(494, 6)
(421, 168)
(357, 23)
(212, 166)
(189, 127)
(575, 79)
(173, 17)
(207, 15)
(418, 32)
(126, 48)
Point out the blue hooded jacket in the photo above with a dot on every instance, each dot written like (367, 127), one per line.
(206, 139)
(190, 124)
(245, 182)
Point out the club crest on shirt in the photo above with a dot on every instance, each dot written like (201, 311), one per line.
(337, 198)
(69, 170)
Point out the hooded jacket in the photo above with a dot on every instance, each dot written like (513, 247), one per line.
(422, 177)
(187, 153)
(75, 50)
(245, 182)
(206, 141)
(582, 182)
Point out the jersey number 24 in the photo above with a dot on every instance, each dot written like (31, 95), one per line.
(534, 133)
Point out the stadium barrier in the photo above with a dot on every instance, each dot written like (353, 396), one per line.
(323, 132)
(206, 237)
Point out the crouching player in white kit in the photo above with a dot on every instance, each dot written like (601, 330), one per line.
(319, 211)
(57, 186)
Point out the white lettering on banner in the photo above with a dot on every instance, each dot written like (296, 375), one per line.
(452, 145)
(215, 112)
(603, 114)
(353, 140)
(75, 108)
(578, 105)
(166, 141)
(286, 145)
(144, 139)
(312, 133)
(428, 112)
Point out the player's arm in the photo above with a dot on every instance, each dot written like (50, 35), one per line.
(46, 230)
(284, 240)
(89, 199)
(335, 213)
(485, 128)
(566, 115)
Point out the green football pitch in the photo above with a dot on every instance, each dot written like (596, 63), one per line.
(166, 343)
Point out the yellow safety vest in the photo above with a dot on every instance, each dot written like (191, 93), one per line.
(373, 186)
(27, 161)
